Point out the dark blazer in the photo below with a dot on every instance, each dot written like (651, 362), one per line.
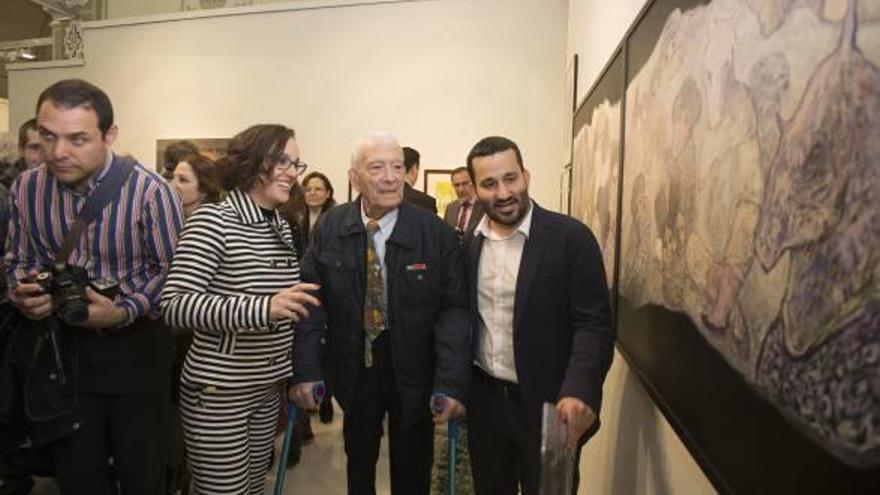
(427, 306)
(563, 336)
(452, 210)
(419, 198)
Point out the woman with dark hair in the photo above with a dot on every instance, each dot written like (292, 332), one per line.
(194, 180)
(305, 205)
(318, 199)
(318, 195)
(235, 282)
(294, 211)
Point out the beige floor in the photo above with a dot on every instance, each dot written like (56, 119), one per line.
(322, 467)
(320, 471)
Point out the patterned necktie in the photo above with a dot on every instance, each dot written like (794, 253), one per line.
(374, 296)
(462, 216)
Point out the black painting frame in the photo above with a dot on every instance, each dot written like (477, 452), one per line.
(742, 442)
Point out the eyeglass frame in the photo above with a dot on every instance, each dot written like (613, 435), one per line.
(283, 163)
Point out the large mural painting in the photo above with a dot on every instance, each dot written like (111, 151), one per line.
(596, 161)
(750, 219)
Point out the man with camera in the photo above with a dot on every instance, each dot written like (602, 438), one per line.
(91, 240)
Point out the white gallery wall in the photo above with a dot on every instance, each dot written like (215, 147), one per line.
(636, 451)
(4, 115)
(441, 74)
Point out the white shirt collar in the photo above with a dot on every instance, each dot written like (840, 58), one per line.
(386, 223)
(524, 226)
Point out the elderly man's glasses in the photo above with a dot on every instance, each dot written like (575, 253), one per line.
(284, 162)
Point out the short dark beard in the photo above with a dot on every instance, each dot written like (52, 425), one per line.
(524, 205)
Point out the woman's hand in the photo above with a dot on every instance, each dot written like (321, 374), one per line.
(291, 303)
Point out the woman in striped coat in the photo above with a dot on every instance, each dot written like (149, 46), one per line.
(234, 281)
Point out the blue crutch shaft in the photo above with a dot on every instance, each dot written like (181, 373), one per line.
(318, 392)
(438, 404)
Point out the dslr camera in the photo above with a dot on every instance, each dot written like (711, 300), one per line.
(67, 286)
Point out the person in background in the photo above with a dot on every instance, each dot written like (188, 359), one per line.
(294, 211)
(30, 149)
(174, 153)
(194, 179)
(235, 282)
(542, 319)
(30, 154)
(14, 479)
(319, 198)
(411, 159)
(464, 213)
(120, 381)
(301, 211)
(11, 164)
(395, 313)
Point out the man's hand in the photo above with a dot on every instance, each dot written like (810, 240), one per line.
(103, 313)
(578, 416)
(30, 299)
(291, 303)
(302, 395)
(454, 409)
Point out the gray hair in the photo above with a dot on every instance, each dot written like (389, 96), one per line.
(361, 145)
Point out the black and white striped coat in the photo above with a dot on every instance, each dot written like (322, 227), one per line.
(229, 262)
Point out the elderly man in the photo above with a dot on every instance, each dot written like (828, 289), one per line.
(395, 306)
(464, 213)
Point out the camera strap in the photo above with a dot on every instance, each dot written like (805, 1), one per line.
(107, 189)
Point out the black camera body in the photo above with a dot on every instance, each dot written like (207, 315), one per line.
(67, 285)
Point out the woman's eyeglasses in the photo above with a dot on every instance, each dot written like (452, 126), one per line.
(284, 162)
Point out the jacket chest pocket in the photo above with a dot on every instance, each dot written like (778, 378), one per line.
(420, 282)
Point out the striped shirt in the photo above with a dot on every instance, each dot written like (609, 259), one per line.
(132, 239)
(230, 262)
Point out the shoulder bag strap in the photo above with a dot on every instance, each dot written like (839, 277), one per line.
(107, 190)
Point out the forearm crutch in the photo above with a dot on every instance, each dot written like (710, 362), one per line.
(438, 404)
(318, 392)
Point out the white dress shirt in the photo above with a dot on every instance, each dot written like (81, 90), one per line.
(496, 289)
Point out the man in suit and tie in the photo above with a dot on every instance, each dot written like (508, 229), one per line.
(411, 159)
(464, 213)
(542, 324)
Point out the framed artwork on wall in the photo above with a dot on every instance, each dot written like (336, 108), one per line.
(437, 183)
(565, 190)
(595, 172)
(743, 242)
(213, 148)
(571, 76)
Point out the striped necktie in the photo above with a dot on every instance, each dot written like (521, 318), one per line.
(374, 296)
